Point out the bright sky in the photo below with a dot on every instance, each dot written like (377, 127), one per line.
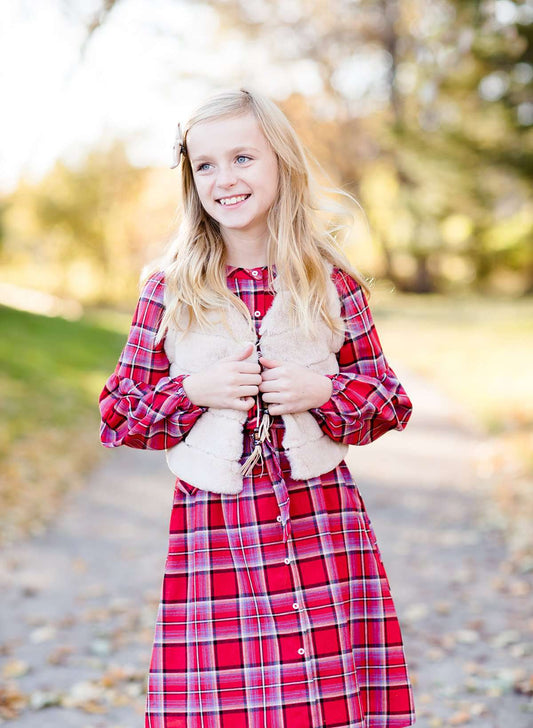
(135, 79)
(143, 71)
(132, 82)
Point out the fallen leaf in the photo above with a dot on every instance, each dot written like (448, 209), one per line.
(92, 706)
(460, 718)
(467, 636)
(40, 699)
(505, 638)
(12, 701)
(15, 668)
(524, 686)
(414, 612)
(43, 634)
(59, 655)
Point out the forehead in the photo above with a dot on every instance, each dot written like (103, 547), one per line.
(218, 135)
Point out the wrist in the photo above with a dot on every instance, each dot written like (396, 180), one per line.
(187, 384)
(327, 390)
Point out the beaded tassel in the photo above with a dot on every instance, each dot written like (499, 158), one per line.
(259, 434)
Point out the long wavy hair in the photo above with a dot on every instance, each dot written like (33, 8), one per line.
(303, 225)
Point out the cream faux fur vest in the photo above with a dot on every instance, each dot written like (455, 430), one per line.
(208, 457)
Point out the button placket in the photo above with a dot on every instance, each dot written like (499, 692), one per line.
(299, 607)
(303, 619)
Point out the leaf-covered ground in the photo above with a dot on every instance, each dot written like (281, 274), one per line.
(51, 373)
(80, 601)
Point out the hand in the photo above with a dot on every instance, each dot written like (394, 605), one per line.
(230, 383)
(292, 388)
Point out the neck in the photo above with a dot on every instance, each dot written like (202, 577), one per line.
(245, 250)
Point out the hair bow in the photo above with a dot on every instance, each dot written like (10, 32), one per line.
(178, 149)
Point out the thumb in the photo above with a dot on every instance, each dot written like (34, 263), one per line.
(269, 362)
(244, 354)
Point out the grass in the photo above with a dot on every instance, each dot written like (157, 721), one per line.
(479, 352)
(51, 373)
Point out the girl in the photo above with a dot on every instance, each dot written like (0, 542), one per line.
(253, 360)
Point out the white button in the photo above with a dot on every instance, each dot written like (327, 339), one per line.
(258, 313)
(301, 651)
(255, 272)
(278, 519)
(296, 605)
(287, 561)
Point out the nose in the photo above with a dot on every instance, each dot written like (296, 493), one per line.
(226, 176)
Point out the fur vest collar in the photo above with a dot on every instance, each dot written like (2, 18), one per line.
(209, 455)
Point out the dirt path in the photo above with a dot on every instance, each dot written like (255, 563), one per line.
(79, 603)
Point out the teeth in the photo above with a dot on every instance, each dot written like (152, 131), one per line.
(232, 200)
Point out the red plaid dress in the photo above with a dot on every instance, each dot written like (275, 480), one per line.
(275, 610)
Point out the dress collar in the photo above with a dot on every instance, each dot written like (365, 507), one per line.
(258, 273)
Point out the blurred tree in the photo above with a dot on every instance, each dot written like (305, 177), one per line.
(87, 231)
(432, 124)
(423, 111)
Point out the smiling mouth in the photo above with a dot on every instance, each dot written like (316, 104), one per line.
(232, 201)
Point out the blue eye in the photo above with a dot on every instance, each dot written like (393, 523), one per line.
(200, 167)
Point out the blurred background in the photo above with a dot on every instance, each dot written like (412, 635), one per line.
(422, 110)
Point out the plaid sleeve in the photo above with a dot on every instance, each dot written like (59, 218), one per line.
(367, 399)
(142, 406)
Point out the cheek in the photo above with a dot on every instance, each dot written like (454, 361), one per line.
(272, 186)
(266, 189)
(272, 194)
(203, 190)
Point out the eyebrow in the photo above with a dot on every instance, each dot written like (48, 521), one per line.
(230, 151)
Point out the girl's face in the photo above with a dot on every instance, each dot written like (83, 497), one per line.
(230, 158)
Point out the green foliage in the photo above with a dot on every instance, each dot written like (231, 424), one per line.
(444, 130)
(85, 232)
(476, 349)
(438, 148)
(51, 373)
(50, 370)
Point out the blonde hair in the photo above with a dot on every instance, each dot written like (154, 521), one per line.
(300, 237)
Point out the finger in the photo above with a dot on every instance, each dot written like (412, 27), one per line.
(251, 367)
(268, 386)
(244, 403)
(271, 397)
(244, 378)
(270, 375)
(243, 353)
(269, 362)
(249, 391)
